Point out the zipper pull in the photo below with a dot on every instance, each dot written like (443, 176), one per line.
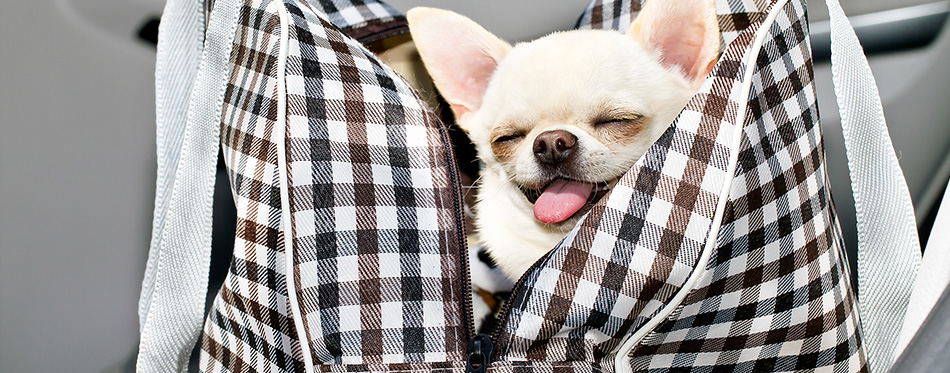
(479, 354)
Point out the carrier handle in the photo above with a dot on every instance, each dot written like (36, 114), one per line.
(888, 245)
(191, 73)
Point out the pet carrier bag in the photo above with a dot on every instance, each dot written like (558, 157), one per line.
(718, 251)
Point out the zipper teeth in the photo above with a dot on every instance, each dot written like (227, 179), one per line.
(467, 312)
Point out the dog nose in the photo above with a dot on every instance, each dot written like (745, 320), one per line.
(552, 147)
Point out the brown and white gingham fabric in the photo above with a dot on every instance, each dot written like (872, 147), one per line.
(734, 16)
(378, 251)
(375, 202)
(378, 258)
(609, 14)
(249, 327)
(366, 21)
(775, 297)
(638, 246)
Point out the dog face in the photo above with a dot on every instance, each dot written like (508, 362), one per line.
(557, 121)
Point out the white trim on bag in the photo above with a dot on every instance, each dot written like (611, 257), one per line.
(699, 271)
(280, 134)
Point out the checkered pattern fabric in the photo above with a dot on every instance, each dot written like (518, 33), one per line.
(378, 260)
(775, 296)
(733, 16)
(609, 14)
(635, 250)
(379, 267)
(249, 327)
(375, 207)
(637, 247)
(364, 20)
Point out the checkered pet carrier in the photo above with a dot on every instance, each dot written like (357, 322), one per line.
(718, 251)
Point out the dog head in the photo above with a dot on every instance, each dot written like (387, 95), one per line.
(561, 118)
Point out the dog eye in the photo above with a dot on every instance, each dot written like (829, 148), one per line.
(618, 120)
(508, 138)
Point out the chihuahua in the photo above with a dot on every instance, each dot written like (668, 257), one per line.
(557, 121)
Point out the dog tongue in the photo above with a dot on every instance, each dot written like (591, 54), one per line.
(561, 199)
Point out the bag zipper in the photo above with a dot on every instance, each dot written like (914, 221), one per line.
(456, 181)
(480, 350)
(481, 347)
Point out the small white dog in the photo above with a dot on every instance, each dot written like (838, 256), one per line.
(557, 121)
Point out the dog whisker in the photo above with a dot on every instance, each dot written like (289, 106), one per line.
(468, 188)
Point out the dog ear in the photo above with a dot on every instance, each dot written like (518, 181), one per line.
(684, 32)
(460, 55)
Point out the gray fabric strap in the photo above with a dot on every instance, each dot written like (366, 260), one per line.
(888, 246)
(176, 64)
(191, 76)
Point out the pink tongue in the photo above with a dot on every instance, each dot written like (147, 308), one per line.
(561, 199)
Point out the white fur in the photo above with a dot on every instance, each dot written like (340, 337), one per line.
(564, 81)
